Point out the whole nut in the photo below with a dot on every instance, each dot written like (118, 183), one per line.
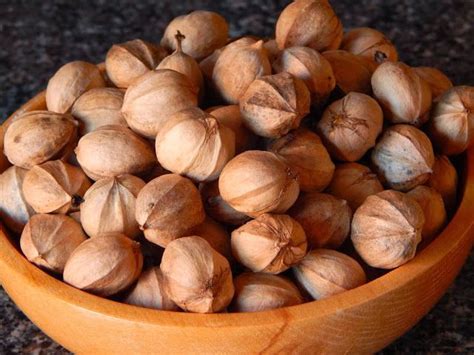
(217, 208)
(38, 136)
(403, 157)
(386, 229)
(404, 96)
(150, 291)
(14, 209)
(351, 72)
(270, 243)
(207, 64)
(216, 235)
(230, 116)
(205, 31)
(370, 44)
(324, 273)
(309, 23)
(452, 120)
(275, 104)
(436, 79)
(49, 240)
(154, 97)
(126, 62)
(237, 67)
(114, 150)
(305, 154)
(444, 179)
(99, 107)
(350, 126)
(109, 206)
(194, 144)
(308, 65)
(354, 182)
(432, 205)
(55, 187)
(256, 182)
(69, 82)
(256, 292)
(167, 208)
(104, 265)
(325, 219)
(199, 279)
(183, 63)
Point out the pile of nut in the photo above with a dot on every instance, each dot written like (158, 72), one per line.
(271, 158)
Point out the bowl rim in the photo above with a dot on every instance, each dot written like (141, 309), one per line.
(14, 263)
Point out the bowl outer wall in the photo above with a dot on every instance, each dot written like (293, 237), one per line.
(362, 320)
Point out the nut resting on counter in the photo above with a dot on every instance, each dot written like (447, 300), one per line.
(207, 173)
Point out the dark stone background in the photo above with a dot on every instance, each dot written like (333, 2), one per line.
(37, 37)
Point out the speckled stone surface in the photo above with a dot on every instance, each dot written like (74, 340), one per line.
(39, 36)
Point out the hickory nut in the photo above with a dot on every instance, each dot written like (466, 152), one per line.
(269, 243)
(256, 182)
(386, 229)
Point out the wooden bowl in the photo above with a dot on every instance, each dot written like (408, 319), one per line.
(362, 320)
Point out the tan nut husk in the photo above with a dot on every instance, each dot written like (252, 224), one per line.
(156, 96)
(444, 179)
(352, 73)
(104, 265)
(305, 154)
(271, 243)
(403, 158)
(38, 136)
(436, 79)
(195, 144)
(275, 104)
(14, 209)
(432, 204)
(256, 292)
(217, 208)
(114, 150)
(256, 182)
(49, 240)
(370, 44)
(237, 67)
(230, 116)
(55, 187)
(167, 208)
(216, 235)
(451, 127)
(309, 23)
(350, 126)
(69, 82)
(205, 31)
(128, 61)
(183, 63)
(324, 273)
(99, 107)
(308, 65)
(354, 182)
(109, 206)
(325, 219)
(198, 278)
(386, 229)
(404, 96)
(150, 292)
(207, 64)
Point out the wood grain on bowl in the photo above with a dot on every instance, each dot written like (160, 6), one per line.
(362, 320)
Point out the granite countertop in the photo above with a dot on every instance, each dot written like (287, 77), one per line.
(39, 36)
